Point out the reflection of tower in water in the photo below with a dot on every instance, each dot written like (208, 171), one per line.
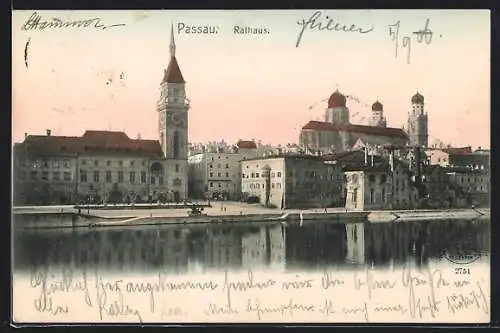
(382, 244)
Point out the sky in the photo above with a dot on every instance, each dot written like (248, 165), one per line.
(244, 86)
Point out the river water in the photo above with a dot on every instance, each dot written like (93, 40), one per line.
(314, 246)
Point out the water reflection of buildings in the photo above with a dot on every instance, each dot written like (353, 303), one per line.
(264, 246)
(379, 244)
(223, 248)
(180, 249)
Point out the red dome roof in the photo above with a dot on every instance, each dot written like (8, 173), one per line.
(417, 99)
(336, 100)
(377, 106)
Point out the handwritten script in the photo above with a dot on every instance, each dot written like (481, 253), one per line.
(408, 295)
(319, 23)
(422, 35)
(35, 22)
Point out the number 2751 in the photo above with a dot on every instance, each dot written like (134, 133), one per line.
(461, 270)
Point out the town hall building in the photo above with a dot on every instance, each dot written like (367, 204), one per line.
(105, 166)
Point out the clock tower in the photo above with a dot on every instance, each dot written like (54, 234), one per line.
(172, 110)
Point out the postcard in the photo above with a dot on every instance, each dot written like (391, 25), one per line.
(244, 166)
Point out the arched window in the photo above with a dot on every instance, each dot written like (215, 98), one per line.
(176, 144)
(157, 169)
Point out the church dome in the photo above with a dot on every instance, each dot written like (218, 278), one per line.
(417, 99)
(377, 106)
(336, 100)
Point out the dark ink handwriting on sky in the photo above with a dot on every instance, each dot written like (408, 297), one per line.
(26, 52)
(329, 23)
(421, 35)
(35, 22)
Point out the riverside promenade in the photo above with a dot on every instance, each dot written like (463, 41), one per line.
(220, 212)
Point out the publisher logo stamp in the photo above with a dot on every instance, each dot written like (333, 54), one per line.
(461, 256)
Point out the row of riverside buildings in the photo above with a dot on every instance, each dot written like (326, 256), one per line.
(335, 163)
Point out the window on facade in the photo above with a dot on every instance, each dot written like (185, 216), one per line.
(383, 195)
(96, 162)
(211, 184)
(120, 176)
(210, 166)
(211, 174)
(108, 163)
(218, 174)
(227, 174)
(256, 175)
(227, 166)
(120, 163)
(272, 174)
(83, 176)
(66, 164)
(84, 162)
(272, 185)
(177, 168)
(160, 180)
(279, 174)
(153, 180)
(132, 177)
(372, 196)
(108, 177)
(143, 177)
(131, 163)
(355, 197)
(66, 176)
(45, 175)
(218, 165)
(56, 164)
(383, 179)
(56, 175)
(220, 185)
(96, 176)
(371, 178)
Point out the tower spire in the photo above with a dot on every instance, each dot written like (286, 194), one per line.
(172, 41)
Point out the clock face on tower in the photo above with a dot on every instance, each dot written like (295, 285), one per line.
(177, 119)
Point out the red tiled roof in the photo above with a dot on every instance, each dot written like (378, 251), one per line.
(173, 73)
(245, 144)
(458, 150)
(371, 130)
(92, 142)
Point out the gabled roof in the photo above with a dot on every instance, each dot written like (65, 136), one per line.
(372, 130)
(173, 73)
